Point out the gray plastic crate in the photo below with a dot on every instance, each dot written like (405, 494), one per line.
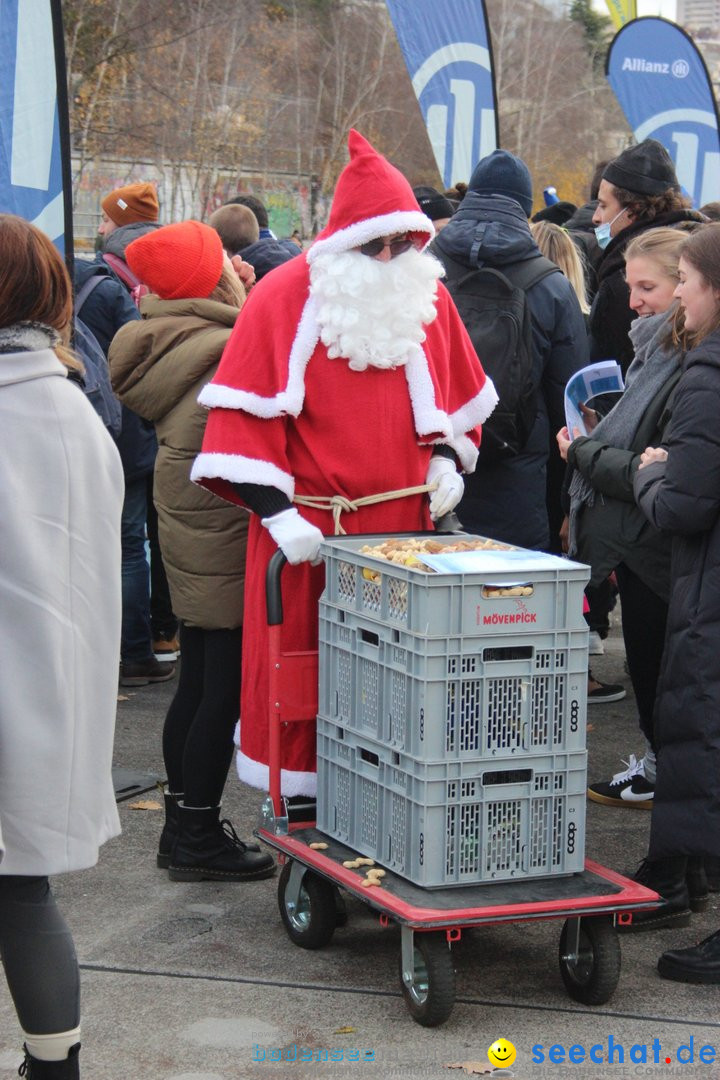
(453, 698)
(441, 604)
(453, 823)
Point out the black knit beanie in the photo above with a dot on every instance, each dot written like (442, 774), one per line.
(501, 173)
(432, 203)
(646, 169)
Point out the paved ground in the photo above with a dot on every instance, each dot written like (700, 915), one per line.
(181, 982)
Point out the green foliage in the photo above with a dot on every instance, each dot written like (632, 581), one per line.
(597, 30)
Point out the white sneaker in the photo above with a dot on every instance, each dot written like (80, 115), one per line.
(595, 644)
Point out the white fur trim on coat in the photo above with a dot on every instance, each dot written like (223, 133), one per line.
(412, 221)
(288, 402)
(241, 470)
(291, 783)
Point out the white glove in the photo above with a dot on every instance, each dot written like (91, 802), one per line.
(449, 489)
(298, 540)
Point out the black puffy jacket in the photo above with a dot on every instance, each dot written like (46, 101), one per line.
(682, 497)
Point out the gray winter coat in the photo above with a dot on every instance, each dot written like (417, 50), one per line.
(614, 529)
(508, 500)
(682, 496)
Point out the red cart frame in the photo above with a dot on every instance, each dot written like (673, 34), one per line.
(592, 903)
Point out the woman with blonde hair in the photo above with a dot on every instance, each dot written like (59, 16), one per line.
(159, 366)
(556, 244)
(61, 487)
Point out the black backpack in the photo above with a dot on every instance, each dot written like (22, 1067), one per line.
(493, 306)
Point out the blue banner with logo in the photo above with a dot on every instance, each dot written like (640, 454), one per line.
(34, 139)
(663, 86)
(447, 51)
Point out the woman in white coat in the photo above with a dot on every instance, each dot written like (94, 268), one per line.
(61, 489)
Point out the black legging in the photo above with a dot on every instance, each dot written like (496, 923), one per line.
(199, 726)
(38, 954)
(644, 616)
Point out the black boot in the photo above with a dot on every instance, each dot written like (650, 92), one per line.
(34, 1069)
(666, 877)
(697, 883)
(712, 871)
(207, 849)
(169, 832)
(698, 964)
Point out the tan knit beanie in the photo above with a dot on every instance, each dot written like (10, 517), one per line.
(134, 202)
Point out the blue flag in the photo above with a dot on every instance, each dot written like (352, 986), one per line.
(447, 51)
(34, 143)
(662, 84)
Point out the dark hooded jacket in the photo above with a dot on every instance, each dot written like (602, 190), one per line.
(582, 231)
(682, 497)
(267, 253)
(509, 500)
(611, 315)
(108, 307)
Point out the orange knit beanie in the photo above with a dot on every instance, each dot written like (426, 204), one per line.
(134, 202)
(178, 262)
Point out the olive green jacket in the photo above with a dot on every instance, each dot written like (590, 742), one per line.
(158, 367)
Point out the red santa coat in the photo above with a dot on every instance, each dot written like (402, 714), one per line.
(309, 425)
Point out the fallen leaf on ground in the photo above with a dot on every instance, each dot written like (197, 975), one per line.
(344, 1031)
(145, 804)
(123, 697)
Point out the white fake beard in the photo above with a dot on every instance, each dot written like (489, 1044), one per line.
(373, 313)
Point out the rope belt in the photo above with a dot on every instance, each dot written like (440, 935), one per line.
(338, 504)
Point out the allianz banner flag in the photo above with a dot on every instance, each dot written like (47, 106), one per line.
(664, 89)
(446, 47)
(34, 132)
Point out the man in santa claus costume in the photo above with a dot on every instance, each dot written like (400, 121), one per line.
(348, 373)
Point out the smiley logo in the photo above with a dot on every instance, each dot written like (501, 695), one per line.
(501, 1054)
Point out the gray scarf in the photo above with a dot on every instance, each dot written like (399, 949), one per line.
(653, 365)
(28, 337)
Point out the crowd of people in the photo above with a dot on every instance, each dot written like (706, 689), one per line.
(274, 396)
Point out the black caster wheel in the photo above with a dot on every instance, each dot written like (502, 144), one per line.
(590, 966)
(429, 990)
(311, 919)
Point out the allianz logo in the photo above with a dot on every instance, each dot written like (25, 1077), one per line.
(679, 68)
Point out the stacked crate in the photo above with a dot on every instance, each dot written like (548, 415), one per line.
(451, 716)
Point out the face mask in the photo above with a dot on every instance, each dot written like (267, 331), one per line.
(602, 232)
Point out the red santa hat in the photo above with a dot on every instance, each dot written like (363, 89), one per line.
(372, 198)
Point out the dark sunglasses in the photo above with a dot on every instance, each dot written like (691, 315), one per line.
(397, 247)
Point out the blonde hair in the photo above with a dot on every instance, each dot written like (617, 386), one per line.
(661, 246)
(34, 284)
(556, 244)
(229, 289)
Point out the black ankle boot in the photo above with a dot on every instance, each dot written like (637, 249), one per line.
(697, 883)
(667, 878)
(169, 832)
(34, 1069)
(698, 964)
(712, 872)
(207, 849)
